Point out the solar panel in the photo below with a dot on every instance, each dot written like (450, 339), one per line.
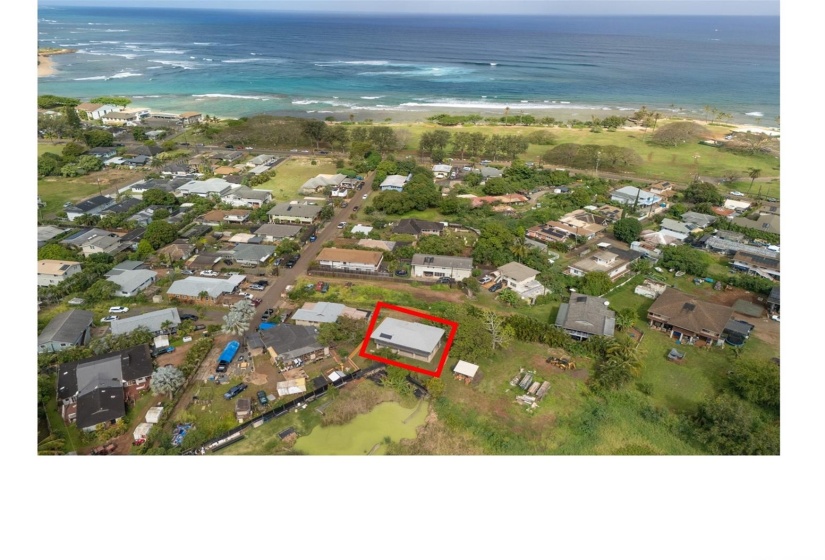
(385, 335)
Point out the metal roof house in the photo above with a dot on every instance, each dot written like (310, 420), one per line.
(413, 340)
(312, 314)
(131, 282)
(395, 182)
(192, 286)
(436, 266)
(153, 321)
(634, 196)
(250, 254)
(586, 316)
(66, 330)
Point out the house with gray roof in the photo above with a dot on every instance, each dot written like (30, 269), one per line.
(488, 173)
(314, 313)
(153, 321)
(395, 182)
(676, 229)
(631, 196)
(698, 220)
(586, 316)
(214, 186)
(522, 280)
(47, 233)
(438, 266)
(92, 206)
(131, 282)
(405, 338)
(122, 207)
(109, 243)
(248, 254)
(272, 233)
(416, 227)
(92, 392)
(244, 197)
(289, 342)
(320, 182)
(294, 212)
(263, 159)
(66, 330)
(191, 287)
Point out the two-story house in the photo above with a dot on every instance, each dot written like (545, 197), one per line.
(437, 266)
(51, 272)
(522, 280)
(611, 260)
(634, 196)
(350, 259)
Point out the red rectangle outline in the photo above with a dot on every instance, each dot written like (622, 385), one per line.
(434, 373)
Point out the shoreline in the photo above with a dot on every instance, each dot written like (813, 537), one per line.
(45, 64)
(404, 118)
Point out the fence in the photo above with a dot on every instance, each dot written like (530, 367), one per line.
(332, 273)
(236, 434)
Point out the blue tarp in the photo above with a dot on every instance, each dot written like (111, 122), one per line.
(266, 326)
(229, 352)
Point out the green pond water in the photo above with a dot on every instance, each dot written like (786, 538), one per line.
(365, 431)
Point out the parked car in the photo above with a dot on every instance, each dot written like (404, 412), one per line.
(736, 193)
(227, 262)
(312, 238)
(278, 261)
(188, 317)
(342, 225)
(269, 311)
(400, 272)
(445, 280)
(324, 288)
(292, 260)
(256, 301)
(262, 400)
(257, 287)
(187, 272)
(109, 319)
(484, 279)
(118, 309)
(344, 204)
(364, 196)
(775, 318)
(235, 391)
(355, 208)
(200, 327)
(208, 273)
(262, 282)
(158, 351)
(495, 287)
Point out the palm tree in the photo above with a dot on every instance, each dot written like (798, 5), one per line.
(754, 174)
(519, 248)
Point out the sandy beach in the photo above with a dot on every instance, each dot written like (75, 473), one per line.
(45, 64)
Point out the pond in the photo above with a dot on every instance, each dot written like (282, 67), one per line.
(365, 434)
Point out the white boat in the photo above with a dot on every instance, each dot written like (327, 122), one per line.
(494, 64)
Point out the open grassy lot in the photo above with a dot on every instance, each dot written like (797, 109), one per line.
(293, 173)
(54, 191)
(49, 147)
(674, 164)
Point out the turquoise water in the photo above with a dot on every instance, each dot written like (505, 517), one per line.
(241, 63)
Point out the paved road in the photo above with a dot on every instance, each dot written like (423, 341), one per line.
(310, 251)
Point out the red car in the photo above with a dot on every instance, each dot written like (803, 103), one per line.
(256, 301)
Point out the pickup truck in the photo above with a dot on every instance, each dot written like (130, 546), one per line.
(235, 391)
(159, 351)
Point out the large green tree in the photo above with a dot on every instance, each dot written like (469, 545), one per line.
(686, 258)
(627, 230)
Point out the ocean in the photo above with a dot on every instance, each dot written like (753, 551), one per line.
(240, 63)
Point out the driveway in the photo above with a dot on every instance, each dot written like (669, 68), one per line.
(278, 284)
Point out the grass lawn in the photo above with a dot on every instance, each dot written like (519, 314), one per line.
(44, 147)
(293, 173)
(675, 164)
(68, 434)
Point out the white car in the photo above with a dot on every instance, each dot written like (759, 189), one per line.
(364, 196)
(109, 319)
(342, 225)
(485, 279)
(208, 273)
(118, 309)
(775, 318)
(736, 193)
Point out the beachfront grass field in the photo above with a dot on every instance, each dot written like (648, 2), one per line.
(660, 163)
(293, 173)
